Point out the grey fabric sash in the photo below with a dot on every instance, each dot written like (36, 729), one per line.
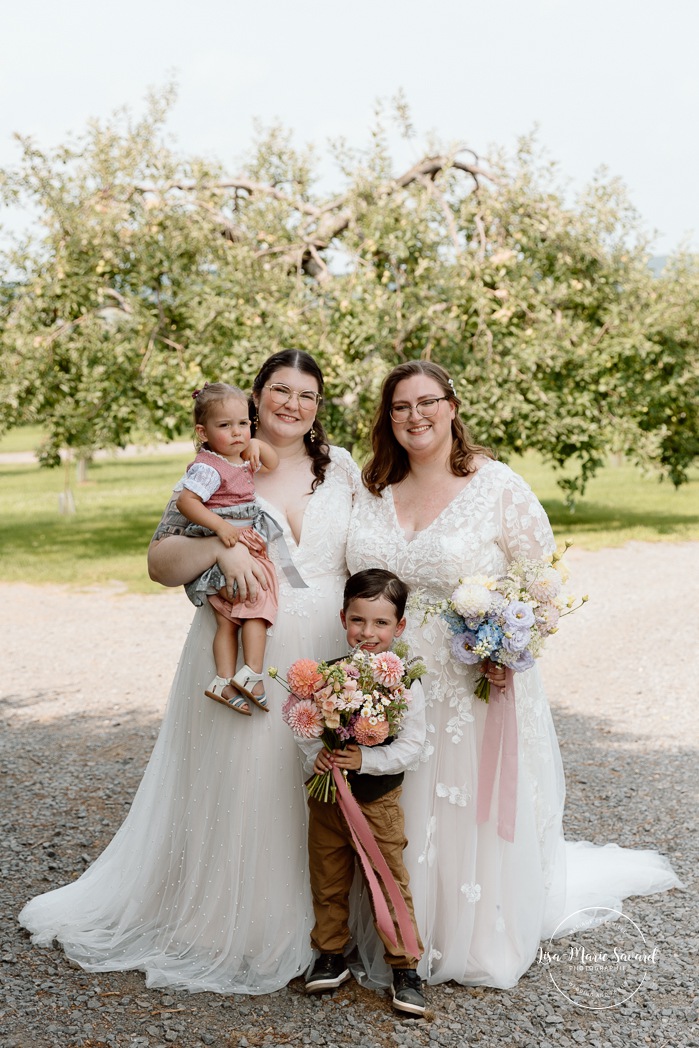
(275, 534)
(251, 515)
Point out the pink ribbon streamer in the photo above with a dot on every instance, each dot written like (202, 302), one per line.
(368, 849)
(500, 741)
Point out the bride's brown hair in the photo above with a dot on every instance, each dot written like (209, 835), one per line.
(389, 462)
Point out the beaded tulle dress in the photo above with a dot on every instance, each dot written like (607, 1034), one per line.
(205, 885)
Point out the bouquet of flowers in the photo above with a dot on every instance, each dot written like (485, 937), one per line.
(507, 619)
(360, 698)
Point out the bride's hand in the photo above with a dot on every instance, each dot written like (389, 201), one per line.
(241, 571)
(494, 673)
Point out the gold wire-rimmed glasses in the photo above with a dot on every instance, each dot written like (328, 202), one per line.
(426, 408)
(282, 394)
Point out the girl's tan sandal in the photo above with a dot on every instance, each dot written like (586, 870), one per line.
(215, 692)
(244, 680)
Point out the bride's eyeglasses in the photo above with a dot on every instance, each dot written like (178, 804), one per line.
(425, 408)
(282, 394)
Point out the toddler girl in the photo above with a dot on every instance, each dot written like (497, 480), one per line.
(217, 495)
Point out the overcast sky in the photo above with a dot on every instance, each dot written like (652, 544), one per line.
(607, 82)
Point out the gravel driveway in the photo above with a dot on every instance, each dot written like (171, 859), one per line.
(83, 683)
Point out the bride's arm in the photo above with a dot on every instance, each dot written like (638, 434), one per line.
(525, 528)
(177, 559)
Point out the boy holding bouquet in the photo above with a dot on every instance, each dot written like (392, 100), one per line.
(373, 617)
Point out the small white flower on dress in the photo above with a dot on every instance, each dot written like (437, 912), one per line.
(471, 891)
(429, 852)
(453, 794)
(433, 955)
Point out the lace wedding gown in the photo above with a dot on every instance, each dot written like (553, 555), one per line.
(205, 886)
(483, 904)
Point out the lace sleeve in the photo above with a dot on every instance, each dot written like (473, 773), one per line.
(525, 528)
(342, 459)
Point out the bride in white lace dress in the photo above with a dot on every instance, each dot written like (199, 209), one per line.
(205, 886)
(438, 508)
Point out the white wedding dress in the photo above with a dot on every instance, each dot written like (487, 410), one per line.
(205, 885)
(483, 904)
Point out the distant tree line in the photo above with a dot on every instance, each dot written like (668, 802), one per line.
(148, 273)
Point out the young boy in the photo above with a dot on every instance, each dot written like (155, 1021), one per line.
(372, 615)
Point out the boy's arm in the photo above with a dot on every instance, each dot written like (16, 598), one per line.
(192, 507)
(405, 749)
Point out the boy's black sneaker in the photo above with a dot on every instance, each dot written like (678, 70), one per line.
(329, 972)
(407, 991)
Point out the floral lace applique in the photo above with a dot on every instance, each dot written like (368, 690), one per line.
(429, 852)
(453, 794)
(471, 891)
(432, 956)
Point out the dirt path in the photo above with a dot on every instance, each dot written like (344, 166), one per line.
(84, 679)
(627, 654)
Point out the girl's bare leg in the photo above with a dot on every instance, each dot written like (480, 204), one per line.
(225, 649)
(225, 645)
(254, 633)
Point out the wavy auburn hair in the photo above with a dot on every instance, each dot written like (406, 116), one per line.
(318, 448)
(389, 462)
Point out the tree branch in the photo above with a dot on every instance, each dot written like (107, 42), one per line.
(331, 218)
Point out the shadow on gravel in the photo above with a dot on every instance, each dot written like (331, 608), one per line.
(66, 786)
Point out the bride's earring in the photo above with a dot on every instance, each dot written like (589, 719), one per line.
(255, 419)
(313, 434)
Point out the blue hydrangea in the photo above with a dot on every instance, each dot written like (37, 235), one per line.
(489, 637)
(453, 621)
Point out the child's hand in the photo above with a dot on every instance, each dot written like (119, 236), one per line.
(252, 454)
(349, 759)
(323, 762)
(227, 533)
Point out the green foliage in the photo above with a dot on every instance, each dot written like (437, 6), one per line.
(151, 272)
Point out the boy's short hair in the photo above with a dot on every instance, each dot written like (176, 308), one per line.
(373, 583)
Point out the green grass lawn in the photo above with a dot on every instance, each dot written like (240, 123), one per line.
(621, 504)
(105, 540)
(120, 504)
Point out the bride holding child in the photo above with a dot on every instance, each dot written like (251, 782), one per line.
(206, 886)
